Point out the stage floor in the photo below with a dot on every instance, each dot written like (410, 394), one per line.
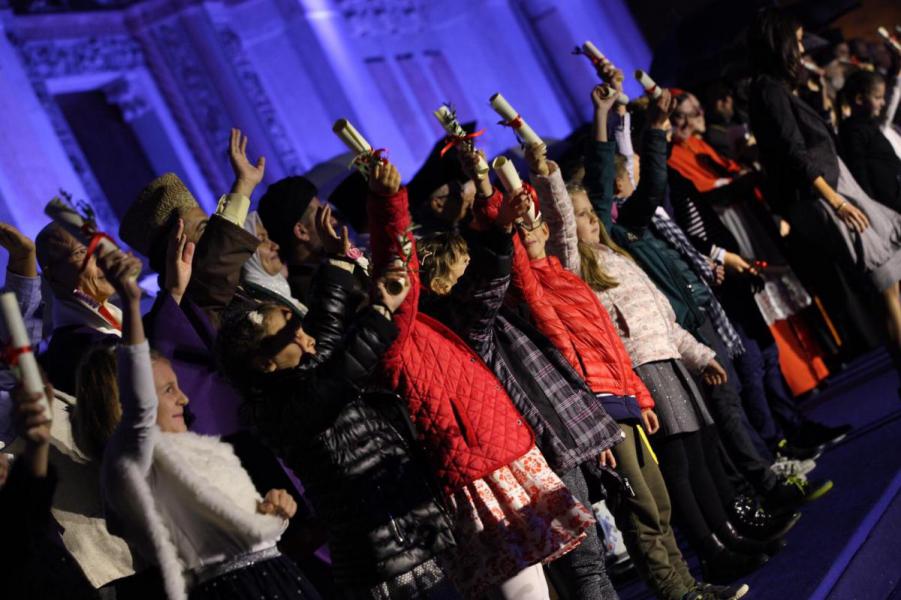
(847, 546)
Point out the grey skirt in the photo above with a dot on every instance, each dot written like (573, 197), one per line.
(877, 251)
(678, 402)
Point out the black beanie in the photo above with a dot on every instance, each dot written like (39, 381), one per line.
(350, 200)
(283, 205)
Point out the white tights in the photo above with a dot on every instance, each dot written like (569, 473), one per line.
(528, 584)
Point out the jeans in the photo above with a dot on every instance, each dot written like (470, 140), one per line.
(742, 444)
(581, 574)
(768, 402)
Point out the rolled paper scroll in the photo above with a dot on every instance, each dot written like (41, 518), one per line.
(513, 119)
(506, 172)
(649, 85)
(19, 354)
(348, 134)
(889, 38)
(593, 53)
(457, 135)
(81, 229)
(364, 155)
(597, 58)
(607, 91)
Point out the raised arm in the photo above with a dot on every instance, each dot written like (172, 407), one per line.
(392, 243)
(225, 245)
(556, 207)
(132, 439)
(638, 210)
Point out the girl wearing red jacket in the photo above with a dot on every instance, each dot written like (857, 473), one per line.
(568, 311)
(511, 512)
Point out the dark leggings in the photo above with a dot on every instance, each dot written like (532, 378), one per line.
(696, 481)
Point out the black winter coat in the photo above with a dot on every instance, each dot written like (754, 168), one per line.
(350, 447)
(796, 146)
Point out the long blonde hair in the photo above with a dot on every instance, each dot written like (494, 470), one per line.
(590, 266)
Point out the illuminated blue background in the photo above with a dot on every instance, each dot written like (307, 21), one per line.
(95, 102)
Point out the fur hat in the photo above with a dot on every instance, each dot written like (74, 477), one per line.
(148, 216)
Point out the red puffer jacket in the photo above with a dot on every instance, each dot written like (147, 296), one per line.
(567, 311)
(462, 412)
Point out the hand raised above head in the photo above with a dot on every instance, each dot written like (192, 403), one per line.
(603, 98)
(122, 270)
(661, 108)
(21, 248)
(392, 288)
(536, 156)
(15, 242)
(470, 160)
(247, 175)
(514, 207)
(384, 180)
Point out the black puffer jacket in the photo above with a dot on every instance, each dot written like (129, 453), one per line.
(351, 447)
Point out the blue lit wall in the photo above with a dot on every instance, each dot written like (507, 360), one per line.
(182, 72)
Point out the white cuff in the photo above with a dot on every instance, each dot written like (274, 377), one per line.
(234, 208)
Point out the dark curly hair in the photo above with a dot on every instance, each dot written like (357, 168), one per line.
(239, 342)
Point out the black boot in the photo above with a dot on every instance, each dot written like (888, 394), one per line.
(722, 565)
(753, 521)
(746, 545)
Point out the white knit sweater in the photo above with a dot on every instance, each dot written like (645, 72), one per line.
(183, 500)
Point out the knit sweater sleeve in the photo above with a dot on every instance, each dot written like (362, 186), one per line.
(557, 209)
(133, 437)
(695, 355)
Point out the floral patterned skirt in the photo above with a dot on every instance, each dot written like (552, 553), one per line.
(519, 515)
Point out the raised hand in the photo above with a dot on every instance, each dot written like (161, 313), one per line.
(660, 110)
(179, 256)
(384, 180)
(514, 207)
(603, 98)
(392, 287)
(22, 254)
(247, 176)
(536, 157)
(121, 271)
(278, 503)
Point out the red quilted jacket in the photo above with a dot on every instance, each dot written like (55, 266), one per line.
(462, 412)
(567, 311)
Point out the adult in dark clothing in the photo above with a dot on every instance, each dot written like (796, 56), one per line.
(702, 185)
(867, 152)
(35, 564)
(810, 186)
(306, 388)
(167, 225)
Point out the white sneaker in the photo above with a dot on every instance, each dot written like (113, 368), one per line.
(786, 467)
